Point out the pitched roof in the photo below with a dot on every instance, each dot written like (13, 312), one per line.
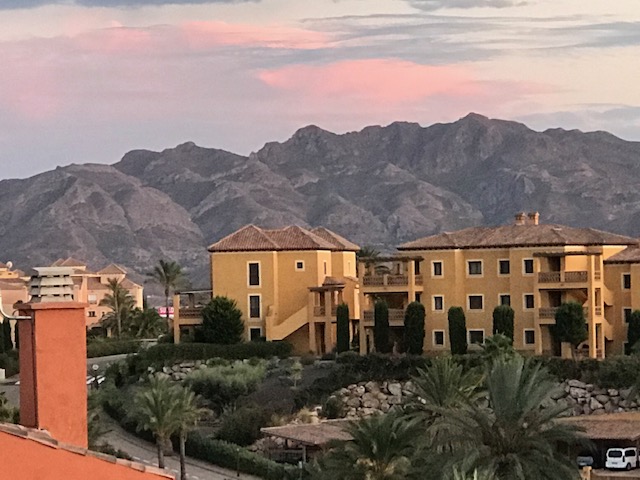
(630, 254)
(12, 284)
(337, 240)
(44, 438)
(252, 238)
(517, 236)
(69, 262)
(316, 434)
(613, 426)
(112, 269)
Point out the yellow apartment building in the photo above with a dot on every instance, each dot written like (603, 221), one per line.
(287, 282)
(531, 266)
(91, 287)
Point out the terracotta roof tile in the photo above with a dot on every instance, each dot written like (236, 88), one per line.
(12, 284)
(516, 236)
(630, 254)
(252, 238)
(335, 239)
(614, 426)
(112, 269)
(69, 262)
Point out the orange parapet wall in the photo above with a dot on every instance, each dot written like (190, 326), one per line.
(53, 369)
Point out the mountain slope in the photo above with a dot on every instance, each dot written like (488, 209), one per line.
(380, 186)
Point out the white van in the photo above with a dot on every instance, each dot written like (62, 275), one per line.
(626, 458)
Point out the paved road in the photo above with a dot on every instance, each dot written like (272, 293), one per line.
(145, 452)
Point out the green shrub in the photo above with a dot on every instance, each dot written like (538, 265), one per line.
(231, 456)
(333, 408)
(571, 324)
(457, 331)
(242, 426)
(503, 317)
(381, 327)
(414, 328)
(342, 328)
(105, 347)
(633, 332)
(222, 322)
(10, 363)
(222, 385)
(202, 351)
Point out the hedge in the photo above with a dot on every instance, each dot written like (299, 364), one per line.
(203, 351)
(10, 363)
(104, 348)
(228, 455)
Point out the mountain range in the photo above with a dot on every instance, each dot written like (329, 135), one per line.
(380, 186)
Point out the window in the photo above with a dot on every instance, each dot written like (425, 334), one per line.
(527, 266)
(438, 338)
(254, 274)
(325, 268)
(416, 267)
(626, 314)
(528, 301)
(255, 334)
(505, 299)
(475, 302)
(299, 266)
(476, 337)
(92, 298)
(254, 306)
(438, 302)
(529, 336)
(418, 296)
(504, 267)
(474, 267)
(626, 281)
(437, 269)
(92, 313)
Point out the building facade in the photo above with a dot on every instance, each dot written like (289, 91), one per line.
(287, 283)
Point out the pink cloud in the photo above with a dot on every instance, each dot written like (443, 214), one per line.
(378, 80)
(117, 40)
(201, 35)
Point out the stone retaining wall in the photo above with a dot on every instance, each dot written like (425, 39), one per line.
(368, 398)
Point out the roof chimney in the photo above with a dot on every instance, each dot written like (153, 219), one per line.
(534, 218)
(53, 358)
(521, 218)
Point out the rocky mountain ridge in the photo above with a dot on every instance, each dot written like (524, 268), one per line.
(379, 186)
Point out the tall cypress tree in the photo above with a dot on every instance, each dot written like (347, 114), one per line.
(633, 332)
(342, 328)
(457, 331)
(414, 328)
(6, 329)
(381, 327)
(503, 316)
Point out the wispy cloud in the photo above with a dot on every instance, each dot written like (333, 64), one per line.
(442, 4)
(24, 4)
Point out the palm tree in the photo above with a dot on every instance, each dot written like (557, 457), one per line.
(368, 254)
(169, 275)
(121, 303)
(187, 414)
(146, 324)
(156, 409)
(513, 438)
(382, 448)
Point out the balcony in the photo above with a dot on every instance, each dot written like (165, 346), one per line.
(563, 277)
(549, 313)
(190, 312)
(396, 315)
(319, 310)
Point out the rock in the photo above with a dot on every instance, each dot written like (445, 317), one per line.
(590, 387)
(354, 402)
(577, 410)
(595, 404)
(558, 393)
(625, 392)
(382, 396)
(602, 398)
(613, 392)
(598, 412)
(395, 389)
(394, 400)
(384, 407)
(586, 410)
(577, 384)
(359, 390)
(609, 407)
(166, 370)
(576, 392)
(372, 387)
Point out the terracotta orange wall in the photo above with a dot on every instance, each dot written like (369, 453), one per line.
(53, 370)
(30, 460)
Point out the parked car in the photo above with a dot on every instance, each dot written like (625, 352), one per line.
(585, 460)
(622, 458)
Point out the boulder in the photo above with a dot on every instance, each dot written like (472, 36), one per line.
(395, 389)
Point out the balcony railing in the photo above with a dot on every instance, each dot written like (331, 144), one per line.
(319, 310)
(395, 315)
(419, 279)
(390, 280)
(190, 312)
(563, 277)
(550, 312)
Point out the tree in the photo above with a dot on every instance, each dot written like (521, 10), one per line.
(512, 438)
(571, 325)
(633, 332)
(169, 275)
(6, 330)
(495, 347)
(222, 321)
(383, 448)
(187, 414)
(146, 324)
(503, 316)
(368, 255)
(156, 409)
(342, 328)
(414, 328)
(457, 331)
(381, 327)
(121, 303)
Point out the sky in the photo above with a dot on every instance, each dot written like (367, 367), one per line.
(85, 81)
